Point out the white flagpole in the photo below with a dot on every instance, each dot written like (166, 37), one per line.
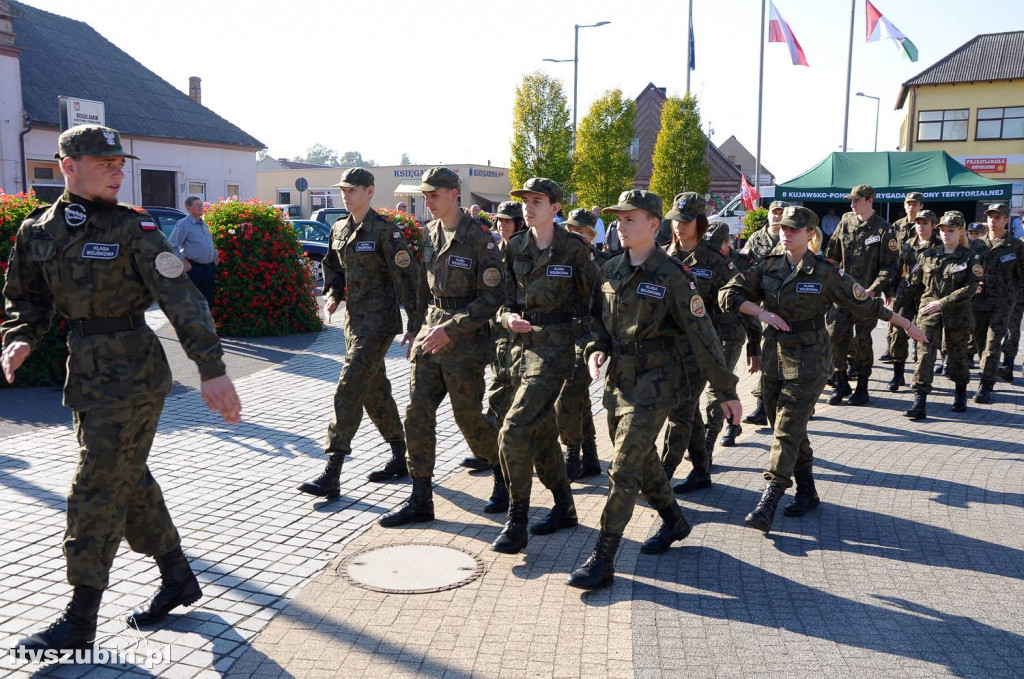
(760, 98)
(689, 46)
(849, 71)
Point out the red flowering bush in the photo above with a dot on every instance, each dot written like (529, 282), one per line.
(264, 283)
(47, 364)
(411, 229)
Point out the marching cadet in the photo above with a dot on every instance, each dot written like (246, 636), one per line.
(903, 303)
(905, 231)
(647, 308)
(796, 288)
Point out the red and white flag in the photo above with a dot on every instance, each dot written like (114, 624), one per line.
(747, 193)
(779, 31)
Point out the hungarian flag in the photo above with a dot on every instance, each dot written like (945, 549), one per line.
(879, 28)
(747, 193)
(779, 31)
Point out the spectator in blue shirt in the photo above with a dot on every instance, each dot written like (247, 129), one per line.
(193, 243)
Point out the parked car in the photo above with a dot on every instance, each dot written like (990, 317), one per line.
(290, 211)
(329, 215)
(166, 217)
(314, 238)
(734, 211)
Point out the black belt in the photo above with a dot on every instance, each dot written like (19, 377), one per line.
(451, 303)
(106, 326)
(643, 346)
(805, 326)
(195, 263)
(540, 318)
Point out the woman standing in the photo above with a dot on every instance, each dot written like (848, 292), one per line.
(903, 302)
(797, 287)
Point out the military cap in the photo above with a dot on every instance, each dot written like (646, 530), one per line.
(915, 196)
(440, 178)
(778, 205)
(582, 217)
(355, 176)
(543, 186)
(798, 217)
(510, 209)
(976, 226)
(927, 214)
(717, 233)
(1001, 208)
(952, 218)
(637, 199)
(860, 191)
(686, 206)
(90, 140)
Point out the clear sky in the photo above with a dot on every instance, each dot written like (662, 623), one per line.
(437, 80)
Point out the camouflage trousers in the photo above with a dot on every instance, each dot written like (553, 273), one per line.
(989, 332)
(1011, 343)
(573, 409)
(955, 335)
(789, 404)
(113, 495)
(363, 383)
(715, 417)
(685, 429)
(529, 435)
(501, 391)
(429, 382)
(635, 467)
(850, 338)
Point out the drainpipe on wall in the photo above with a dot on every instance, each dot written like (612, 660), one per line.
(24, 164)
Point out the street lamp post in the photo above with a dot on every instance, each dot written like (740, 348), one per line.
(868, 96)
(576, 71)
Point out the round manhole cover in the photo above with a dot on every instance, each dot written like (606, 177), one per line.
(411, 569)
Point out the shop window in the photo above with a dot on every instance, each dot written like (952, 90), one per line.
(943, 125)
(1000, 123)
(284, 197)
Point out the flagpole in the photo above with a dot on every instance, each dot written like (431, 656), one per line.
(760, 97)
(849, 72)
(689, 46)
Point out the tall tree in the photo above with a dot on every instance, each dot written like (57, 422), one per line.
(541, 132)
(603, 167)
(405, 160)
(354, 159)
(680, 153)
(318, 154)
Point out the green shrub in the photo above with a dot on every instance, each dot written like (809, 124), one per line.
(753, 221)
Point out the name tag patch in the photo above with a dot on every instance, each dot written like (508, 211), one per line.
(460, 262)
(957, 267)
(1008, 258)
(366, 245)
(559, 271)
(701, 273)
(873, 239)
(809, 288)
(100, 250)
(651, 290)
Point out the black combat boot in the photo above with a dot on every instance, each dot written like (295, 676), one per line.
(759, 414)
(709, 443)
(761, 517)
(885, 357)
(674, 527)
(591, 464)
(960, 398)
(328, 484)
(898, 376)
(562, 515)
(728, 439)
(178, 587)
(698, 478)
(395, 468)
(670, 470)
(498, 502)
(417, 509)
(573, 466)
(860, 396)
(513, 537)
(598, 570)
(918, 411)
(475, 464)
(984, 393)
(842, 389)
(806, 496)
(74, 629)
(1005, 371)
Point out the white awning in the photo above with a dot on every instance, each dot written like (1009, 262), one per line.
(408, 189)
(490, 197)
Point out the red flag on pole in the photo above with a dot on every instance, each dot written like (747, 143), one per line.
(779, 31)
(747, 193)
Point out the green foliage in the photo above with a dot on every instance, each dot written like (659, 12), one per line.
(752, 221)
(47, 364)
(264, 285)
(541, 132)
(680, 153)
(602, 165)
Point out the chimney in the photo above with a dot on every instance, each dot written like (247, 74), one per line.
(195, 92)
(7, 16)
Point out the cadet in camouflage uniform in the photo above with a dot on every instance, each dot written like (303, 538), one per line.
(904, 230)
(760, 245)
(1003, 285)
(370, 263)
(796, 288)
(462, 279)
(647, 309)
(1011, 343)
(866, 250)
(550, 278)
(944, 280)
(904, 303)
(101, 264)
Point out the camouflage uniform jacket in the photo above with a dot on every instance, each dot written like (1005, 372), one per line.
(463, 286)
(1003, 262)
(865, 250)
(657, 301)
(710, 269)
(761, 243)
(376, 264)
(743, 323)
(904, 231)
(904, 303)
(561, 279)
(105, 268)
(951, 279)
(800, 295)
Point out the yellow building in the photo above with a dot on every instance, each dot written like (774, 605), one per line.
(970, 104)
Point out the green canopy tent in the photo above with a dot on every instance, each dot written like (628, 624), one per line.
(893, 175)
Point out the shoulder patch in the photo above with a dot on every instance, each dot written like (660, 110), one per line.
(859, 293)
(892, 244)
(492, 277)
(402, 259)
(978, 270)
(697, 306)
